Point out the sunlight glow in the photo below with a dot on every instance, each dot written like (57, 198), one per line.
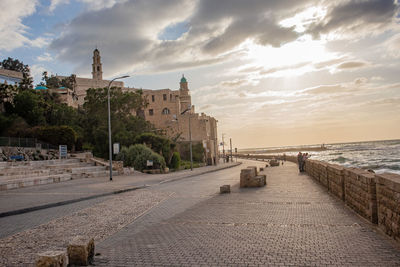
(301, 20)
(291, 59)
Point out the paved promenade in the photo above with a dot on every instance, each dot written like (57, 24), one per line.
(292, 221)
(74, 190)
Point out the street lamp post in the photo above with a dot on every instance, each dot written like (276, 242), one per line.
(190, 137)
(109, 121)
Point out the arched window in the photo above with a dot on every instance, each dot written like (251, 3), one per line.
(166, 111)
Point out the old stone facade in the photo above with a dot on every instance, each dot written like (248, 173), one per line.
(10, 76)
(172, 111)
(169, 110)
(82, 84)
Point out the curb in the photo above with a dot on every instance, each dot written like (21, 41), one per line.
(120, 191)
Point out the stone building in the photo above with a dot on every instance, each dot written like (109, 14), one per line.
(82, 84)
(172, 111)
(10, 76)
(167, 109)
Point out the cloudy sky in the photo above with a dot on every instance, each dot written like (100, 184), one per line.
(273, 73)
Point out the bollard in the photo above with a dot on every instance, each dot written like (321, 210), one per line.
(81, 251)
(225, 189)
(52, 259)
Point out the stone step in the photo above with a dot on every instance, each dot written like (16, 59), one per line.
(37, 163)
(87, 169)
(69, 165)
(41, 180)
(43, 170)
(31, 181)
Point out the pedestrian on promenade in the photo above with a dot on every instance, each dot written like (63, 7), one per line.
(303, 161)
(300, 161)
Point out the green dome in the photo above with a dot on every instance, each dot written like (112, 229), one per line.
(40, 87)
(183, 79)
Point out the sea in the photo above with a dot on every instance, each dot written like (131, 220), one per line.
(379, 156)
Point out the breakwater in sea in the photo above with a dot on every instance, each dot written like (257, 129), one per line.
(376, 197)
(380, 156)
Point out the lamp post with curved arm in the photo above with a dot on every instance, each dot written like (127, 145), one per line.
(190, 137)
(109, 121)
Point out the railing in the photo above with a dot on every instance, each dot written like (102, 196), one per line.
(25, 142)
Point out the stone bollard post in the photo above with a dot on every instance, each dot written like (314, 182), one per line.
(225, 189)
(81, 251)
(52, 259)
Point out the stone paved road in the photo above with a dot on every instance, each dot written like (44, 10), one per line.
(46, 194)
(292, 221)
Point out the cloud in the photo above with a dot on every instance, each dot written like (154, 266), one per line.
(36, 72)
(326, 89)
(55, 3)
(393, 45)
(13, 33)
(355, 17)
(128, 37)
(352, 65)
(45, 57)
(100, 4)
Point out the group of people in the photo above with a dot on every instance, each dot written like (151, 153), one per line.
(301, 159)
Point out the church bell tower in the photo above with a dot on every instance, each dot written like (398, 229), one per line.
(97, 71)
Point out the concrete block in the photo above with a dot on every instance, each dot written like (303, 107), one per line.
(225, 189)
(81, 251)
(52, 259)
(254, 170)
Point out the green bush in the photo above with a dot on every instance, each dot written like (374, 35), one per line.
(175, 161)
(157, 143)
(56, 135)
(186, 165)
(197, 151)
(137, 156)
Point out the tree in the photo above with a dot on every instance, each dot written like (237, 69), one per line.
(125, 126)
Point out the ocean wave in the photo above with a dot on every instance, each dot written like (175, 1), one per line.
(383, 170)
(335, 154)
(340, 159)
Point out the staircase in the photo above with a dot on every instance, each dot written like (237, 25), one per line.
(29, 173)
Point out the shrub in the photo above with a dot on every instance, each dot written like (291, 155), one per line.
(157, 143)
(56, 135)
(175, 161)
(137, 156)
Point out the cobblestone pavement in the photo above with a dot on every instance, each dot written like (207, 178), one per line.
(51, 193)
(98, 221)
(292, 221)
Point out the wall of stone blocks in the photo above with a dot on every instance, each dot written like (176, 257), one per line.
(336, 180)
(388, 198)
(360, 193)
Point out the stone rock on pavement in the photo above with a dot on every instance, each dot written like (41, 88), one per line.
(81, 251)
(52, 259)
(225, 189)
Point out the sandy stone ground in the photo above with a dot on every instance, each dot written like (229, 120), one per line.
(98, 221)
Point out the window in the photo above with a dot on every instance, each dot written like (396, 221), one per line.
(98, 68)
(165, 111)
(164, 97)
(151, 112)
(153, 98)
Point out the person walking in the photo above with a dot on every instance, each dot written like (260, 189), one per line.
(300, 161)
(303, 161)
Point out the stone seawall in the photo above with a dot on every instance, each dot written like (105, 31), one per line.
(375, 197)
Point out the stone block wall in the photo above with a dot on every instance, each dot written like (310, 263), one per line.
(336, 180)
(360, 193)
(388, 196)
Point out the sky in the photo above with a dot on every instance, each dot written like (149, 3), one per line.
(273, 73)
